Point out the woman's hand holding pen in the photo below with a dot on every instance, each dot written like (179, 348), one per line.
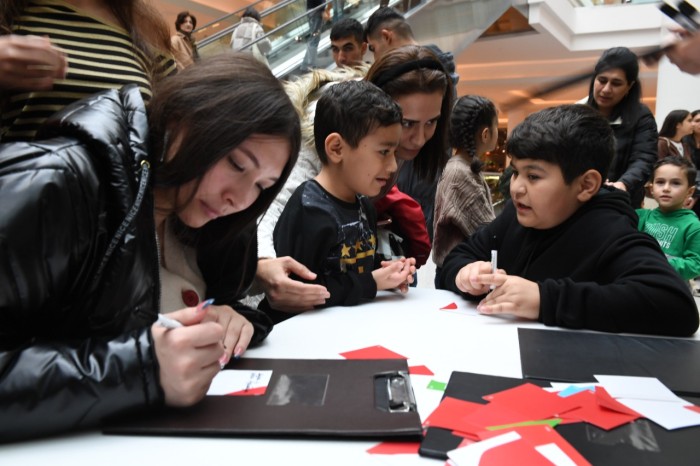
(189, 355)
(511, 295)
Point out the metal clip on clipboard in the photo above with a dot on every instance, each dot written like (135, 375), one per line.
(394, 393)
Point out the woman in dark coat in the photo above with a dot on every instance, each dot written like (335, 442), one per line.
(615, 91)
(91, 215)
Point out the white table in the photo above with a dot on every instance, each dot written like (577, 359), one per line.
(412, 325)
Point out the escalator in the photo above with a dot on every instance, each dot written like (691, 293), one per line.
(452, 25)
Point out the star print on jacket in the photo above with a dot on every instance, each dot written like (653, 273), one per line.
(333, 238)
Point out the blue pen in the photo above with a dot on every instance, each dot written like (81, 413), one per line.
(169, 323)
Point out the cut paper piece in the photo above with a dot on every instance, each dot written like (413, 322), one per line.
(395, 448)
(572, 390)
(640, 388)
(606, 401)
(693, 408)
(592, 412)
(240, 383)
(492, 414)
(668, 414)
(436, 385)
(532, 446)
(449, 414)
(450, 306)
(372, 352)
(548, 422)
(420, 370)
(532, 401)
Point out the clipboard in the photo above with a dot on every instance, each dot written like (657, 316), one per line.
(639, 443)
(305, 397)
(577, 356)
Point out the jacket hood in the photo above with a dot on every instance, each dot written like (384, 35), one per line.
(615, 200)
(107, 123)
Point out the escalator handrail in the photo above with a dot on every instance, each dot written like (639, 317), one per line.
(284, 25)
(215, 36)
(228, 15)
(218, 35)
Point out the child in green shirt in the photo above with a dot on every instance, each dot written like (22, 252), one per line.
(675, 228)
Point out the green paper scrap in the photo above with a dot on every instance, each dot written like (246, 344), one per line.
(435, 385)
(550, 422)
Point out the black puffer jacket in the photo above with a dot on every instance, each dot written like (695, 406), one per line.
(635, 153)
(75, 341)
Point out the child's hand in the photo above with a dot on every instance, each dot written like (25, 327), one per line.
(395, 274)
(467, 279)
(511, 295)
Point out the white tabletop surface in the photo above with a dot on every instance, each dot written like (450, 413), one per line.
(412, 325)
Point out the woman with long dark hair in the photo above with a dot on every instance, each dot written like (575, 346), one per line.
(615, 91)
(123, 212)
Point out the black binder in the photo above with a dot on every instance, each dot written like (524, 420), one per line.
(577, 356)
(305, 397)
(640, 443)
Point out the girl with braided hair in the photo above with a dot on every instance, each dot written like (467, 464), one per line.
(463, 199)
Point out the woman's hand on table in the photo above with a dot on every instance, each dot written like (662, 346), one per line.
(286, 294)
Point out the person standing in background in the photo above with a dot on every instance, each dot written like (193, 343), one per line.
(676, 126)
(55, 52)
(693, 143)
(317, 14)
(463, 199)
(615, 91)
(249, 30)
(347, 42)
(184, 47)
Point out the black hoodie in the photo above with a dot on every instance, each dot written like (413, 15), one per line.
(594, 271)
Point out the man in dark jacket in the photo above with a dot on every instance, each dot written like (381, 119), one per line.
(569, 253)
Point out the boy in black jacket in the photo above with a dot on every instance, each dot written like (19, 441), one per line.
(569, 253)
(329, 223)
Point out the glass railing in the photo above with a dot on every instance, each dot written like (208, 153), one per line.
(287, 28)
(610, 2)
(225, 22)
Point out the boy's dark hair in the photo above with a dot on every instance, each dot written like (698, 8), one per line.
(470, 115)
(674, 117)
(628, 62)
(574, 137)
(251, 12)
(182, 16)
(387, 18)
(352, 109)
(685, 165)
(348, 27)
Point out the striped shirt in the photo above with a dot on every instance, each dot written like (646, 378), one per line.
(100, 56)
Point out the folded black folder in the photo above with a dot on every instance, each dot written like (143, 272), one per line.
(327, 398)
(640, 443)
(577, 356)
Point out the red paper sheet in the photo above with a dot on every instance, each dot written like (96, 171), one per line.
(372, 352)
(395, 448)
(532, 401)
(524, 448)
(450, 306)
(419, 370)
(593, 412)
(450, 414)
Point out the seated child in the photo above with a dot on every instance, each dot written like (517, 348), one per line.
(329, 224)
(675, 228)
(569, 252)
(463, 199)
